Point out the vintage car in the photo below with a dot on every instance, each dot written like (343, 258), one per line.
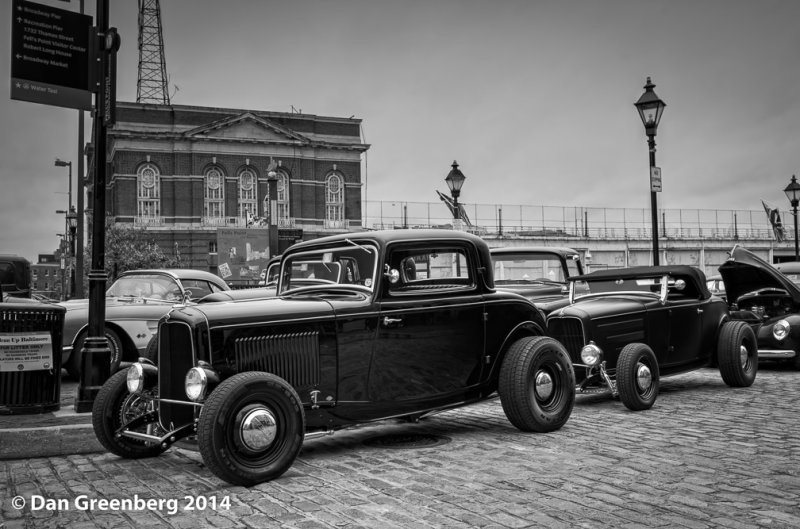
(769, 300)
(134, 304)
(420, 328)
(638, 324)
(539, 273)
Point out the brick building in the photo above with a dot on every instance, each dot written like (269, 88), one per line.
(184, 172)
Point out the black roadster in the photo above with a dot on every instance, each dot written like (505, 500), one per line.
(638, 324)
(411, 324)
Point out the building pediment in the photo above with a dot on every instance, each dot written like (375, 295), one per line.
(246, 127)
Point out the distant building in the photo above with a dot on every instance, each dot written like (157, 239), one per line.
(47, 277)
(184, 172)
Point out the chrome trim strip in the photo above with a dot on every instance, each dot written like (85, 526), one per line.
(776, 353)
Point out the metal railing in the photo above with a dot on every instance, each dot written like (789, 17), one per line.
(579, 222)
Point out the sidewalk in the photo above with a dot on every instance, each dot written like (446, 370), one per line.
(60, 432)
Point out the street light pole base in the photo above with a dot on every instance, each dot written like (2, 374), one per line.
(95, 370)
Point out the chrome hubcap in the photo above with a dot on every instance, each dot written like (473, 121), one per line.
(743, 355)
(543, 385)
(644, 378)
(258, 429)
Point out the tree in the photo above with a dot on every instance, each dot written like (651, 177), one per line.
(129, 248)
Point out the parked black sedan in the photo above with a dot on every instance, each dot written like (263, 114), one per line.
(769, 300)
(641, 323)
(415, 326)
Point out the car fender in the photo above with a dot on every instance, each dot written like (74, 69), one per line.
(525, 328)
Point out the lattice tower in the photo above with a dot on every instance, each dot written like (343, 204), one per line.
(152, 85)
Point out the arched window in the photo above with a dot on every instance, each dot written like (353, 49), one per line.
(283, 200)
(247, 194)
(148, 192)
(214, 193)
(334, 201)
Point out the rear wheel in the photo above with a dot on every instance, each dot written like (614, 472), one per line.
(537, 384)
(115, 406)
(251, 428)
(75, 361)
(737, 352)
(637, 377)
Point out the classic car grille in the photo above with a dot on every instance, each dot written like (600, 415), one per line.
(569, 332)
(293, 357)
(175, 358)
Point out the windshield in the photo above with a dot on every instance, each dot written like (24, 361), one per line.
(146, 286)
(527, 267)
(346, 265)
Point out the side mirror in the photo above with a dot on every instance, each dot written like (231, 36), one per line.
(680, 284)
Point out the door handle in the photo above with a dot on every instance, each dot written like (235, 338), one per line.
(389, 321)
(699, 311)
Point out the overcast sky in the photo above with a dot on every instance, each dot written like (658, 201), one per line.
(533, 98)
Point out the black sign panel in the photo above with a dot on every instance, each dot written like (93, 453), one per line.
(50, 56)
(290, 234)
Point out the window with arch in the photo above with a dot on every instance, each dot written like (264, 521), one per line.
(247, 194)
(214, 193)
(334, 199)
(148, 191)
(282, 200)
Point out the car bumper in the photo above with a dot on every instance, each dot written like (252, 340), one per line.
(776, 354)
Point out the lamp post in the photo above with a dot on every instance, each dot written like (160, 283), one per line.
(72, 222)
(272, 193)
(455, 179)
(650, 108)
(62, 163)
(793, 194)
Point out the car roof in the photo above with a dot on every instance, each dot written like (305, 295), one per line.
(685, 272)
(384, 237)
(559, 250)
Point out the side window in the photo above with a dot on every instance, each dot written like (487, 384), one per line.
(572, 267)
(429, 270)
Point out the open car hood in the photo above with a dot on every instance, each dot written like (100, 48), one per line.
(745, 272)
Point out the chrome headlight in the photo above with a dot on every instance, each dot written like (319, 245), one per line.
(781, 329)
(196, 384)
(135, 378)
(591, 354)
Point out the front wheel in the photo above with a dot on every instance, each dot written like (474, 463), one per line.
(637, 377)
(251, 428)
(537, 384)
(737, 353)
(115, 406)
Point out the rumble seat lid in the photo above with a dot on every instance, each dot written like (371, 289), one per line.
(745, 272)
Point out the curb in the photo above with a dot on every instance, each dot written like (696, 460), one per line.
(57, 433)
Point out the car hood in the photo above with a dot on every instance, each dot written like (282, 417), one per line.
(745, 272)
(83, 304)
(256, 311)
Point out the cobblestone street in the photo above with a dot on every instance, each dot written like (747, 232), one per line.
(705, 456)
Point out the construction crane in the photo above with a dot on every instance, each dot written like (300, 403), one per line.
(152, 85)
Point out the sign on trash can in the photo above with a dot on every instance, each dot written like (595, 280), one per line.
(30, 357)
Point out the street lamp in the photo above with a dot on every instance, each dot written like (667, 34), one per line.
(793, 194)
(455, 179)
(62, 163)
(650, 108)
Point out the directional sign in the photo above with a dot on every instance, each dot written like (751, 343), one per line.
(50, 56)
(655, 179)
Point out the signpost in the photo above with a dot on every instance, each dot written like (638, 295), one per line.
(50, 56)
(655, 179)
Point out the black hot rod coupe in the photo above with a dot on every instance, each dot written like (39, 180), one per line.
(637, 324)
(413, 325)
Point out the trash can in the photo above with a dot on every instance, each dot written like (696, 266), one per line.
(30, 357)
